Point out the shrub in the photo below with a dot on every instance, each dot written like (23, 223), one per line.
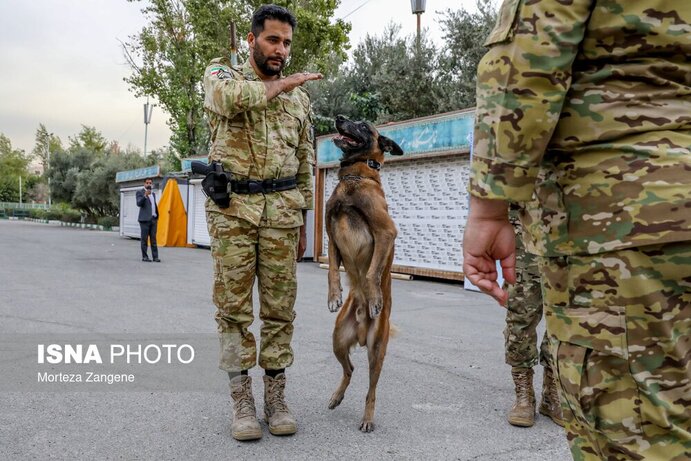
(37, 213)
(72, 216)
(108, 221)
(53, 214)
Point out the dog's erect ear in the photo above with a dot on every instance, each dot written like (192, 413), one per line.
(389, 145)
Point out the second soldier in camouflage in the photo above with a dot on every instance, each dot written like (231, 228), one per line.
(586, 103)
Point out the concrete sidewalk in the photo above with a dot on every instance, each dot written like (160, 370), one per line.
(443, 394)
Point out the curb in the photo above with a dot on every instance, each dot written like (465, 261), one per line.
(67, 224)
(82, 225)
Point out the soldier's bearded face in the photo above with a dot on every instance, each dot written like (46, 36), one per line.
(272, 48)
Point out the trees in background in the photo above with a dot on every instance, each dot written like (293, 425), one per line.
(13, 165)
(389, 78)
(392, 78)
(169, 55)
(83, 175)
(464, 35)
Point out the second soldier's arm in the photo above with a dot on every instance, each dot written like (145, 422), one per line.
(521, 87)
(522, 83)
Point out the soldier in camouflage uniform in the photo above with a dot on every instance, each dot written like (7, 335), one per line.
(523, 314)
(586, 104)
(261, 131)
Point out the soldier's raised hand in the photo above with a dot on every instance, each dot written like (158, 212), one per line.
(284, 85)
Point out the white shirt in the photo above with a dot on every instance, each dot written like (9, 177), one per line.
(153, 205)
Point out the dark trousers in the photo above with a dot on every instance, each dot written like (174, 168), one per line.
(149, 231)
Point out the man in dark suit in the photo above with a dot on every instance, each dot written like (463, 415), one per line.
(148, 219)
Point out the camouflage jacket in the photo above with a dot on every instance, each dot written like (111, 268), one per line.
(587, 104)
(259, 139)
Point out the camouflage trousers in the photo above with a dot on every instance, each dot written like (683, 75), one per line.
(241, 252)
(620, 324)
(524, 309)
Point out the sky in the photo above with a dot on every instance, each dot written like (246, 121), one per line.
(62, 64)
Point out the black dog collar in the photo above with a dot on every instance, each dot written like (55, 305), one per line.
(370, 163)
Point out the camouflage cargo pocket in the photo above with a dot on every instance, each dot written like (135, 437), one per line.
(599, 391)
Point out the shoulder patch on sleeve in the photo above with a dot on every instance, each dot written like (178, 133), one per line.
(219, 71)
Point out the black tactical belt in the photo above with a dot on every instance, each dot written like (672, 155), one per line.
(267, 185)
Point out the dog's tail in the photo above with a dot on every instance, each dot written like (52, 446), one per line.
(393, 330)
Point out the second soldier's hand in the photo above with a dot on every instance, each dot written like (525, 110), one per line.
(284, 85)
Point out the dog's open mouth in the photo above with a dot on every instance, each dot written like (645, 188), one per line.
(342, 138)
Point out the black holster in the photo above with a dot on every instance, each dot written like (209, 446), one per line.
(216, 184)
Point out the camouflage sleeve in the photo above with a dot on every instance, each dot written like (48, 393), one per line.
(226, 95)
(521, 86)
(305, 155)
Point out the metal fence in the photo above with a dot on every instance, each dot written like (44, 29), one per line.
(24, 206)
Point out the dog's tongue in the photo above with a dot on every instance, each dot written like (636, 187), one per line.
(346, 139)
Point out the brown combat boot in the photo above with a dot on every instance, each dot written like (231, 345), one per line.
(550, 405)
(276, 412)
(245, 425)
(523, 411)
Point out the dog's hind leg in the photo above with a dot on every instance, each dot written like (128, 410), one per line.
(344, 338)
(377, 341)
(384, 233)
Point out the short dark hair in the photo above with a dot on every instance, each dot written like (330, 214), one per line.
(149, 179)
(276, 12)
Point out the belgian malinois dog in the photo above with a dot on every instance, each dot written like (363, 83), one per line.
(361, 236)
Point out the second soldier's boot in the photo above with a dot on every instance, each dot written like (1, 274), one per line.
(245, 425)
(550, 405)
(523, 410)
(276, 412)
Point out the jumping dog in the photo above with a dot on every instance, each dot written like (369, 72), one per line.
(361, 237)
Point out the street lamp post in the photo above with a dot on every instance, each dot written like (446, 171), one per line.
(418, 7)
(50, 135)
(147, 119)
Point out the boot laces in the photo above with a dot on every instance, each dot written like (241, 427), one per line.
(244, 403)
(275, 395)
(523, 386)
(552, 393)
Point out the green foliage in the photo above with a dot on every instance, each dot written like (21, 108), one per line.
(56, 212)
(65, 167)
(90, 139)
(38, 213)
(392, 78)
(169, 55)
(464, 35)
(71, 216)
(108, 222)
(84, 175)
(96, 192)
(166, 158)
(13, 165)
(45, 142)
(377, 85)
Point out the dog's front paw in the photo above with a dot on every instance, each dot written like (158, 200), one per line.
(375, 305)
(335, 303)
(367, 426)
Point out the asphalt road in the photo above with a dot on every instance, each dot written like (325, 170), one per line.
(443, 394)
